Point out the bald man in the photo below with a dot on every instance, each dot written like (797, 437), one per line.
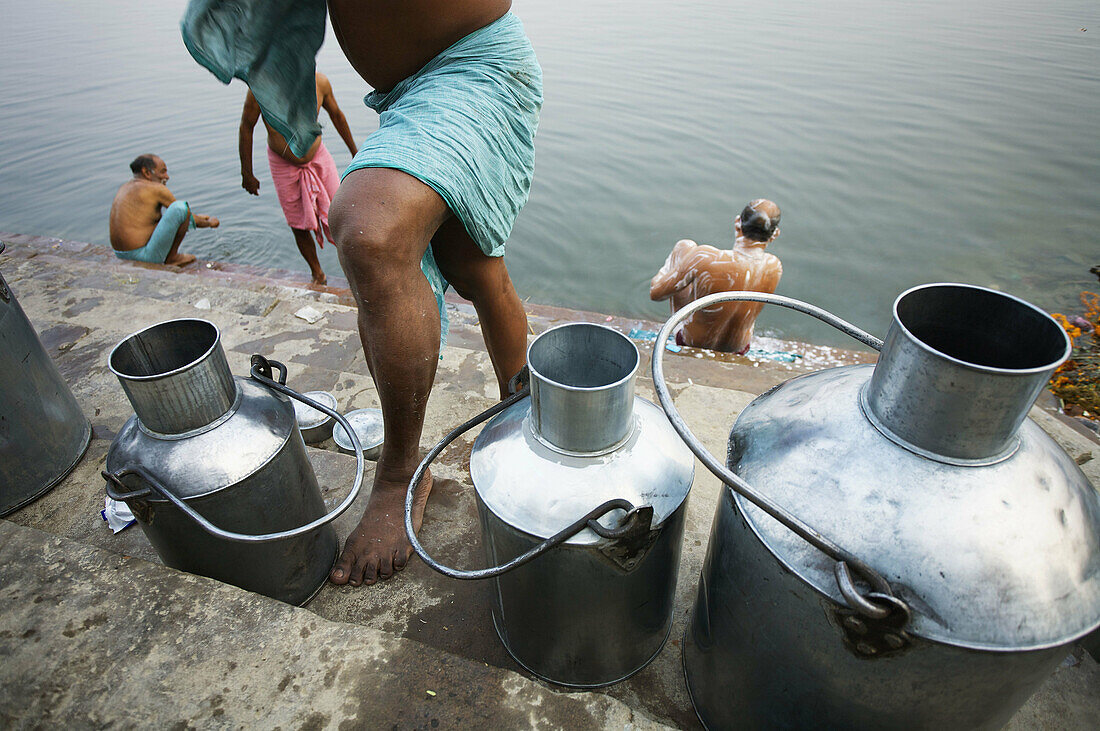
(693, 271)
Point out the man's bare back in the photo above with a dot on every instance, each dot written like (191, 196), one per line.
(693, 271)
(136, 211)
(389, 40)
(277, 143)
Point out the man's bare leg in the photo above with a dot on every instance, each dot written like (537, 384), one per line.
(485, 282)
(308, 249)
(174, 257)
(382, 221)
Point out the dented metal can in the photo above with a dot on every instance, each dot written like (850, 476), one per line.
(597, 608)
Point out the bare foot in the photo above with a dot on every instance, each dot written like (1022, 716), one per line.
(378, 547)
(320, 278)
(180, 260)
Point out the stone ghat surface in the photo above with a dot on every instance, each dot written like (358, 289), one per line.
(96, 632)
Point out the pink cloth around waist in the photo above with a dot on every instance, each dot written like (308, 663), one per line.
(305, 191)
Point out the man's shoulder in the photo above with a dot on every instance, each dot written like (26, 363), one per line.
(129, 189)
(143, 192)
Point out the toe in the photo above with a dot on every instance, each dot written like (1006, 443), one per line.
(385, 568)
(342, 570)
(366, 571)
(401, 558)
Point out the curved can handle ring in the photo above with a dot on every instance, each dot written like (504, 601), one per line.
(637, 519)
(261, 370)
(845, 560)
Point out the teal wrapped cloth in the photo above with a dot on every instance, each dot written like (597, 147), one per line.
(465, 125)
(272, 46)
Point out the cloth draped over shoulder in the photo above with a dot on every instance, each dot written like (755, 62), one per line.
(272, 46)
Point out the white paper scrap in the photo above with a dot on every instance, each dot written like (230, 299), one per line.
(117, 514)
(309, 314)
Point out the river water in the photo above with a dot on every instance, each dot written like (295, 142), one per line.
(906, 142)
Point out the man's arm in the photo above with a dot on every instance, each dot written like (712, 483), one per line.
(249, 117)
(670, 279)
(339, 121)
(165, 198)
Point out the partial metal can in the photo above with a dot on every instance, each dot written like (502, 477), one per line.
(368, 427)
(43, 433)
(897, 545)
(316, 426)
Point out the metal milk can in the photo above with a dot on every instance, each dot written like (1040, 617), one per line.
(43, 433)
(593, 481)
(898, 545)
(214, 467)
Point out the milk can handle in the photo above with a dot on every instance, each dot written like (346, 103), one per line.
(637, 519)
(862, 604)
(261, 371)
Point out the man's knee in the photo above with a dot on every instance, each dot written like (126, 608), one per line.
(382, 225)
(377, 243)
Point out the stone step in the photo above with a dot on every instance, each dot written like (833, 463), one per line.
(90, 638)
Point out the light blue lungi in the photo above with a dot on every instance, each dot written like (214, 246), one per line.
(159, 244)
(465, 125)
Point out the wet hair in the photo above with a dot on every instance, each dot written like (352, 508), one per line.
(143, 162)
(758, 225)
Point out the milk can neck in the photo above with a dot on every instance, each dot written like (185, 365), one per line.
(582, 387)
(959, 370)
(175, 375)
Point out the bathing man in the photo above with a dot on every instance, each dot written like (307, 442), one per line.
(429, 199)
(147, 222)
(693, 271)
(305, 185)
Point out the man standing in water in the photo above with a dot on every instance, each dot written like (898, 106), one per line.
(693, 271)
(147, 222)
(429, 199)
(435, 191)
(305, 185)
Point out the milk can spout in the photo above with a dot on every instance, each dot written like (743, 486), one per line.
(582, 388)
(959, 370)
(175, 375)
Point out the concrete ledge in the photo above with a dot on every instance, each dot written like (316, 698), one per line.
(95, 639)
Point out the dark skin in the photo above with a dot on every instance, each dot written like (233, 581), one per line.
(389, 40)
(383, 220)
(252, 114)
(137, 209)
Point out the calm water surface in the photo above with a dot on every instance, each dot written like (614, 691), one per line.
(906, 142)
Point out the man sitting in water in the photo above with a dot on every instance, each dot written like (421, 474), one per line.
(693, 271)
(305, 185)
(147, 222)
